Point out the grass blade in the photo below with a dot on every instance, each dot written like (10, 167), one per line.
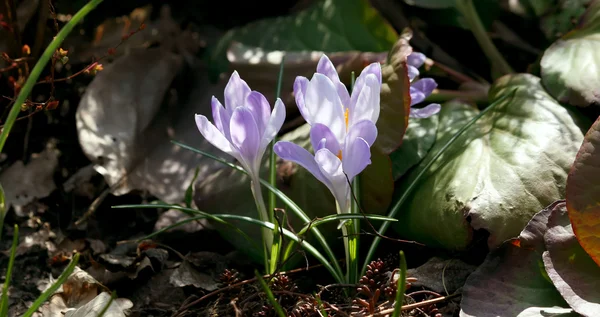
(189, 192)
(60, 281)
(188, 211)
(2, 210)
(401, 286)
(396, 208)
(283, 197)
(277, 237)
(113, 295)
(11, 263)
(39, 67)
(270, 296)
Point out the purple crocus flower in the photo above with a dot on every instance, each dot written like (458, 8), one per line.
(421, 88)
(342, 126)
(245, 126)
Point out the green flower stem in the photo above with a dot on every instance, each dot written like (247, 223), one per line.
(469, 13)
(442, 95)
(39, 66)
(277, 237)
(267, 235)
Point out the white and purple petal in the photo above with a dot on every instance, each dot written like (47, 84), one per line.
(367, 102)
(425, 85)
(300, 85)
(221, 117)
(413, 72)
(261, 111)
(244, 135)
(236, 91)
(365, 129)
(426, 111)
(331, 167)
(292, 152)
(416, 96)
(214, 136)
(416, 59)
(322, 137)
(273, 126)
(324, 105)
(357, 156)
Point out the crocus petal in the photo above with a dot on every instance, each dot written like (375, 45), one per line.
(261, 111)
(324, 105)
(300, 85)
(425, 85)
(326, 67)
(213, 135)
(244, 135)
(413, 72)
(275, 122)
(416, 96)
(365, 129)
(235, 92)
(320, 132)
(416, 59)
(220, 117)
(357, 155)
(374, 69)
(367, 104)
(331, 167)
(425, 112)
(292, 152)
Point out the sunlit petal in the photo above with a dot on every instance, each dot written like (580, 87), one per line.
(236, 91)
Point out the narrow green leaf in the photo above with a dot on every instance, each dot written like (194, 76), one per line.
(113, 295)
(189, 193)
(60, 281)
(293, 207)
(11, 262)
(401, 286)
(270, 296)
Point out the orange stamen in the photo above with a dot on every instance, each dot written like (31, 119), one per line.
(339, 155)
(346, 114)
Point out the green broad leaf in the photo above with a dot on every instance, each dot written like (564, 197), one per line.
(510, 283)
(507, 166)
(418, 140)
(327, 26)
(228, 191)
(569, 66)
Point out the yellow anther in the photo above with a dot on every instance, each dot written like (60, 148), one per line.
(339, 155)
(346, 114)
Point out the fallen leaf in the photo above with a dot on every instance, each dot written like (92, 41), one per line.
(573, 272)
(511, 282)
(25, 183)
(566, 64)
(583, 192)
(118, 307)
(498, 174)
(200, 270)
(443, 276)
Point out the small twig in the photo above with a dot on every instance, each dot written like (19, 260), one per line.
(415, 305)
(458, 76)
(96, 203)
(241, 283)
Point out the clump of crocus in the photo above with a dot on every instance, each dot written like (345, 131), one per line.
(342, 127)
(243, 129)
(420, 88)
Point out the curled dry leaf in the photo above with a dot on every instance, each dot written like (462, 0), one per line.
(24, 183)
(573, 272)
(511, 281)
(118, 307)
